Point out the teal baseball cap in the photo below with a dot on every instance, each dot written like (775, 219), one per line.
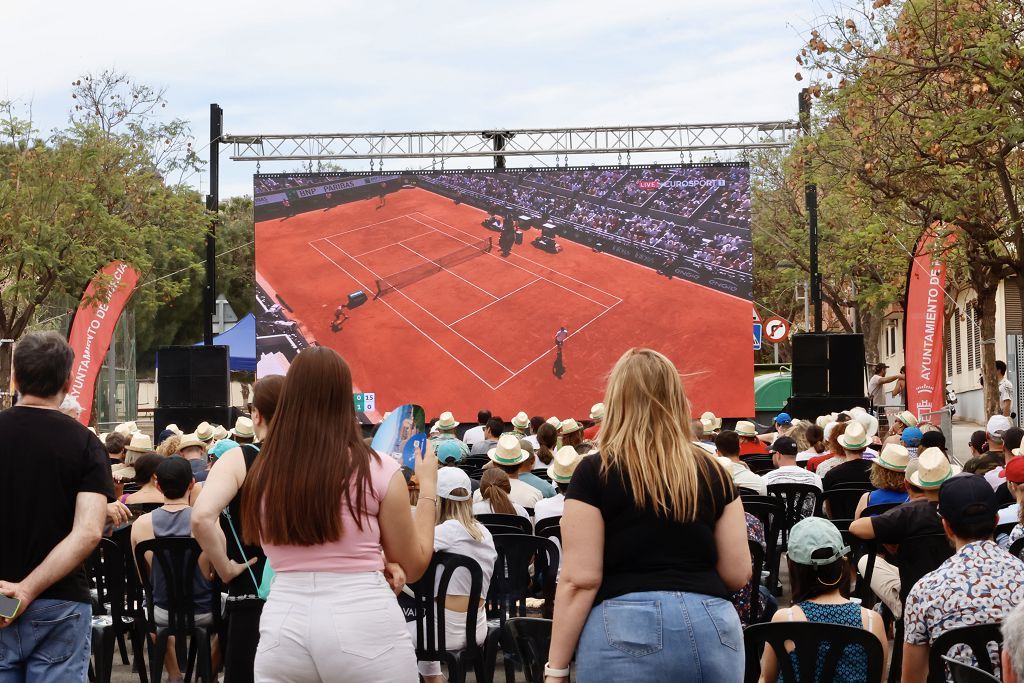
(449, 449)
(812, 534)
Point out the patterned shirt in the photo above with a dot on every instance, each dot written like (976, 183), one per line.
(980, 584)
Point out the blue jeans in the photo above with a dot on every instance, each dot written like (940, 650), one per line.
(661, 636)
(50, 641)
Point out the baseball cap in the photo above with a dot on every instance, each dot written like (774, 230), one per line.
(1014, 470)
(911, 436)
(997, 424)
(933, 439)
(812, 534)
(783, 419)
(451, 478)
(967, 499)
(785, 445)
(449, 449)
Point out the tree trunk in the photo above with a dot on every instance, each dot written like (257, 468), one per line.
(987, 304)
(6, 351)
(871, 325)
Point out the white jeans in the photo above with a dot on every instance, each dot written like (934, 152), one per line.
(454, 636)
(333, 627)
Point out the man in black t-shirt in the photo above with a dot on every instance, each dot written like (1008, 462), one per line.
(53, 503)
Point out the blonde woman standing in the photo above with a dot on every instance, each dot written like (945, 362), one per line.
(654, 540)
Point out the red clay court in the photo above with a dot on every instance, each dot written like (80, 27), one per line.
(480, 333)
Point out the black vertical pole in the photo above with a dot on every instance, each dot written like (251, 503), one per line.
(499, 144)
(811, 201)
(212, 205)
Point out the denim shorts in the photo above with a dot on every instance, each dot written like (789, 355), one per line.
(661, 636)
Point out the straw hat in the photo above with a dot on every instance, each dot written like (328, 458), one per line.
(866, 419)
(554, 422)
(824, 421)
(569, 426)
(707, 426)
(446, 421)
(189, 441)
(127, 429)
(140, 443)
(597, 412)
(716, 422)
(907, 418)
(521, 420)
(564, 464)
(244, 428)
(508, 451)
(204, 431)
(174, 428)
(745, 428)
(220, 432)
(894, 457)
(855, 437)
(933, 468)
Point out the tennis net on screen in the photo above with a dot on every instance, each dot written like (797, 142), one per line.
(404, 278)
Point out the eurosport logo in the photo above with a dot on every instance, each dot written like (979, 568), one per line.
(722, 283)
(657, 184)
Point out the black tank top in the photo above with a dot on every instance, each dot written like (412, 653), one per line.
(242, 587)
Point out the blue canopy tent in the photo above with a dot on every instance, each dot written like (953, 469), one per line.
(241, 340)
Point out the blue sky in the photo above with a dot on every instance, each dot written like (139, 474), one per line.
(308, 66)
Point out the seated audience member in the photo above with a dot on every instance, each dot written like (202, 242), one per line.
(115, 444)
(784, 453)
(1014, 474)
(916, 517)
(820, 578)
(474, 435)
(175, 481)
(445, 426)
(933, 438)
(741, 598)
(521, 426)
(570, 433)
(535, 423)
(811, 440)
(193, 449)
(218, 449)
(853, 469)
(243, 432)
(888, 476)
(749, 443)
(1013, 646)
(145, 477)
(977, 446)
(169, 446)
(713, 421)
(138, 444)
(449, 452)
(458, 532)
(980, 584)
(900, 422)
(727, 447)
(492, 430)
(995, 455)
(495, 487)
(995, 477)
(527, 476)
(206, 433)
(561, 469)
(547, 442)
(911, 440)
(509, 456)
(834, 451)
(708, 430)
(596, 415)
(783, 426)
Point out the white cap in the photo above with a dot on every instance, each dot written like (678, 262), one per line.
(997, 424)
(451, 478)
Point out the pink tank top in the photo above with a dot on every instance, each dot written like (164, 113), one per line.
(358, 550)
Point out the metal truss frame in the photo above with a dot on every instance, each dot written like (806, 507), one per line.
(505, 143)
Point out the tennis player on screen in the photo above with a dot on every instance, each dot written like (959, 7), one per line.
(560, 337)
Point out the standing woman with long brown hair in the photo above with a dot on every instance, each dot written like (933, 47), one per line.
(654, 540)
(324, 506)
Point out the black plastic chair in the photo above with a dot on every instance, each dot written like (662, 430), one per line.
(975, 637)
(771, 513)
(111, 622)
(808, 639)
(545, 523)
(512, 582)
(965, 673)
(498, 529)
(430, 616)
(759, 464)
(1017, 548)
(518, 521)
(530, 639)
(875, 510)
(746, 493)
(842, 501)
(867, 548)
(798, 501)
(178, 559)
(757, 558)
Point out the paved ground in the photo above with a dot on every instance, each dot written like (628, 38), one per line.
(962, 431)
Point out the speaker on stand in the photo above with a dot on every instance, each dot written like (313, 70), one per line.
(828, 374)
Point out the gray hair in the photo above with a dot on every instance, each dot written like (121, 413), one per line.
(1013, 640)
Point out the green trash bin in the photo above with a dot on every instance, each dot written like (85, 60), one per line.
(771, 393)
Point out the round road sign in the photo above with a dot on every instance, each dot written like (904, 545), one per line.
(776, 330)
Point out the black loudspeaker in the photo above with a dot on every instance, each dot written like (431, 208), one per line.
(810, 364)
(188, 419)
(193, 376)
(846, 364)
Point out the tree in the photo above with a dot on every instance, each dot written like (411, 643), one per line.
(923, 103)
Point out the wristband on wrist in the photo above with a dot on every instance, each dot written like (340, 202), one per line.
(432, 500)
(555, 673)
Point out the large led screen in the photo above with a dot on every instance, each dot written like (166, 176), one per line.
(509, 290)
